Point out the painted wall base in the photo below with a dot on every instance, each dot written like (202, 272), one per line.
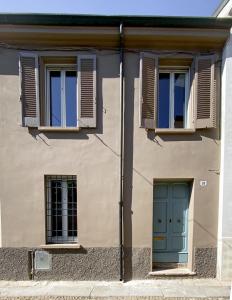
(68, 264)
(205, 262)
(14, 264)
(94, 264)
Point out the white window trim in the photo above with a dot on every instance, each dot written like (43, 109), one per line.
(61, 68)
(64, 238)
(173, 71)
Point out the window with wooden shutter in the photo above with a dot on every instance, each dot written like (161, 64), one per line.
(87, 91)
(205, 92)
(148, 90)
(29, 89)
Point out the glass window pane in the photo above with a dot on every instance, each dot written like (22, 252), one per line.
(72, 208)
(179, 100)
(71, 98)
(55, 98)
(56, 208)
(164, 100)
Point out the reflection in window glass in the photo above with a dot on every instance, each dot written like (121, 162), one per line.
(164, 100)
(179, 100)
(71, 98)
(56, 208)
(72, 208)
(55, 98)
(172, 100)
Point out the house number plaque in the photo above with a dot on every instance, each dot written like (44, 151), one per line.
(203, 183)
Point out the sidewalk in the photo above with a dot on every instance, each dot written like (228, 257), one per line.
(149, 289)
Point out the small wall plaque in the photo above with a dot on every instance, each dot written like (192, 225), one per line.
(42, 260)
(203, 183)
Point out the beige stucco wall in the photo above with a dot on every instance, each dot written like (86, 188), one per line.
(92, 155)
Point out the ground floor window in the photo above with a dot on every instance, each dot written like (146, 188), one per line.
(61, 212)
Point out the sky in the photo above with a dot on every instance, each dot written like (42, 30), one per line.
(113, 7)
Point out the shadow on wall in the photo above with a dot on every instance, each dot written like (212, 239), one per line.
(9, 63)
(196, 136)
(128, 170)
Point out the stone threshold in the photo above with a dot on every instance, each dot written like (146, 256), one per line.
(61, 246)
(173, 272)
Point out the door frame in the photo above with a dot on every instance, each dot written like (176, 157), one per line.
(190, 224)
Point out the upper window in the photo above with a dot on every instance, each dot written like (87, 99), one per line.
(61, 100)
(173, 96)
(58, 91)
(61, 199)
(178, 92)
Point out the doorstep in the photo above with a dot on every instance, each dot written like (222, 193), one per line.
(176, 272)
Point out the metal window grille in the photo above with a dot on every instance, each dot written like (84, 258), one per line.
(61, 193)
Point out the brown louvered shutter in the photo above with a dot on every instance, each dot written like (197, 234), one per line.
(87, 90)
(29, 89)
(205, 96)
(148, 90)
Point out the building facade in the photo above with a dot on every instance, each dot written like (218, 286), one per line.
(110, 145)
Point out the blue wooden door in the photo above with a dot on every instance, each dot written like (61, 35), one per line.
(170, 222)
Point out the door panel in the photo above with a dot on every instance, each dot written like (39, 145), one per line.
(178, 243)
(160, 220)
(170, 220)
(179, 190)
(160, 242)
(161, 192)
(178, 216)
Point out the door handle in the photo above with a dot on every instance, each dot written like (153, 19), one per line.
(170, 220)
(159, 221)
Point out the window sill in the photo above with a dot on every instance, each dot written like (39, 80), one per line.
(59, 129)
(175, 131)
(61, 246)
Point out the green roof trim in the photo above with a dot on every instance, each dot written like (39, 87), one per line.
(100, 20)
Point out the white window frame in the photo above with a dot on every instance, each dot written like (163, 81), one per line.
(62, 68)
(64, 238)
(172, 72)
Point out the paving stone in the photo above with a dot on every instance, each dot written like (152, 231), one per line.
(217, 291)
(184, 292)
(103, 291)
(148, 289)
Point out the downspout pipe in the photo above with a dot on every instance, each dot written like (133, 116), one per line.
(121, 32)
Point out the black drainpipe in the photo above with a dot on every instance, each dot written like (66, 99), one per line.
(121, 151)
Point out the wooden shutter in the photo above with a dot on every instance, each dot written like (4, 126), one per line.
(148, 90)
(29, 89)
(87, 91)
(205, 95)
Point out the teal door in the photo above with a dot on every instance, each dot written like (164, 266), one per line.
(170, 222)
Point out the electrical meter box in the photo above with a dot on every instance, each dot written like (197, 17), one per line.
(42, 260)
